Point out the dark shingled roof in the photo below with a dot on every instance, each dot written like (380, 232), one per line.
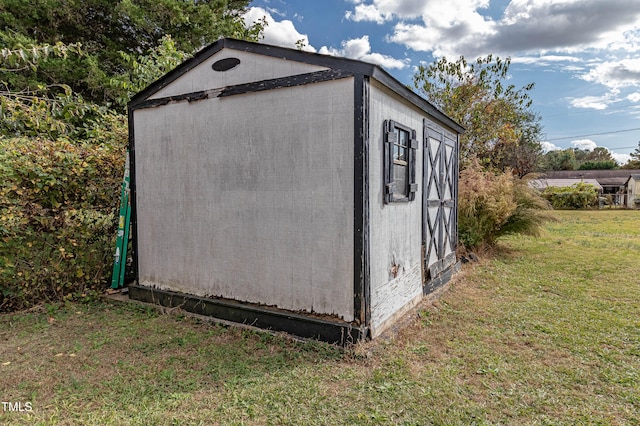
(604, 177)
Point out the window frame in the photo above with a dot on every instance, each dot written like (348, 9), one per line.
(391, 132)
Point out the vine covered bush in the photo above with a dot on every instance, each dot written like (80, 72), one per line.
(577, 196)
(58, 202)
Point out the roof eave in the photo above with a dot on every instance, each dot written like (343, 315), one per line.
(394, 85)
(312, 58)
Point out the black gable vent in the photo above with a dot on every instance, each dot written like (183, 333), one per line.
(225, 64)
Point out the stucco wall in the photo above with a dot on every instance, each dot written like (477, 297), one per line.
(250, 197)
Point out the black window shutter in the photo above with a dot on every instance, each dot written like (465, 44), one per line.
(390, 138)
(413, 150)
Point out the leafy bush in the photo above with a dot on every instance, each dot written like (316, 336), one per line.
(58, 203)
(61, 162)
(52, 113)
(577, 196)
(492, 205)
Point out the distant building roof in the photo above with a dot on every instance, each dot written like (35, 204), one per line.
(604, 177)
(542, 183)
(634, 176)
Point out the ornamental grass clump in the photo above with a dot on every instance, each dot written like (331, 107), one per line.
(492, 205)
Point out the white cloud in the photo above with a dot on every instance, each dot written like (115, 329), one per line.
(584, 144)
(548, 146)
(634, 97)
(615, 74)
(573, 68)
(544, 59)
(282, 33)
(403, 9)
(453, 30)
(621, 158)
(591, 102)
(463, 27)
(367, 12)
(360, 48)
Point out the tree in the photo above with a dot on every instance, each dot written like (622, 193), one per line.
(497, 117)
(105, 28)
(49, 111)
(559, 160)
(634, 161)
(145, 69)
(598, 165)
(599, 154)
(525, 157)
(598, 158)
(594, 159)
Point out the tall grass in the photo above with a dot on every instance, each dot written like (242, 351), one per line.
(492, 205)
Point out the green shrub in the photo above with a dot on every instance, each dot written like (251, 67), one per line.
(58, 204)
(577, 196)
(492, 205)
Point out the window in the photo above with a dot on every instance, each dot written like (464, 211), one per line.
(225, 64)
(400, 159)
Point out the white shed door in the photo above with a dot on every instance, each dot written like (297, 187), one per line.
(439, 214)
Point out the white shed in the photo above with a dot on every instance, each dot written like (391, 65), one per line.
(290, 190)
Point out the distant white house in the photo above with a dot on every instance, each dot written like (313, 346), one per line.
(609, 183)
(633, 191)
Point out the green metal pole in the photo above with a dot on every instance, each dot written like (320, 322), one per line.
(122, 239)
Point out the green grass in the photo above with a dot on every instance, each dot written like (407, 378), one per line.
(545, 333)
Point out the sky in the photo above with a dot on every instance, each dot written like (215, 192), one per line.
(582, 55)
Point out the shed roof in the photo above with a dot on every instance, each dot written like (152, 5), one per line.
(542, 183)
(634, 176)
(352, 66)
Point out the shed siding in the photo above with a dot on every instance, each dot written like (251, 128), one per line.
(395, 229)
(252, 68)
(250, 197)
(633, 192)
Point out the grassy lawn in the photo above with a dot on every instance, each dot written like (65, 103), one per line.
(546, 333)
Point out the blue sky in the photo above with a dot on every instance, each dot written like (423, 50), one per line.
(582, 55)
